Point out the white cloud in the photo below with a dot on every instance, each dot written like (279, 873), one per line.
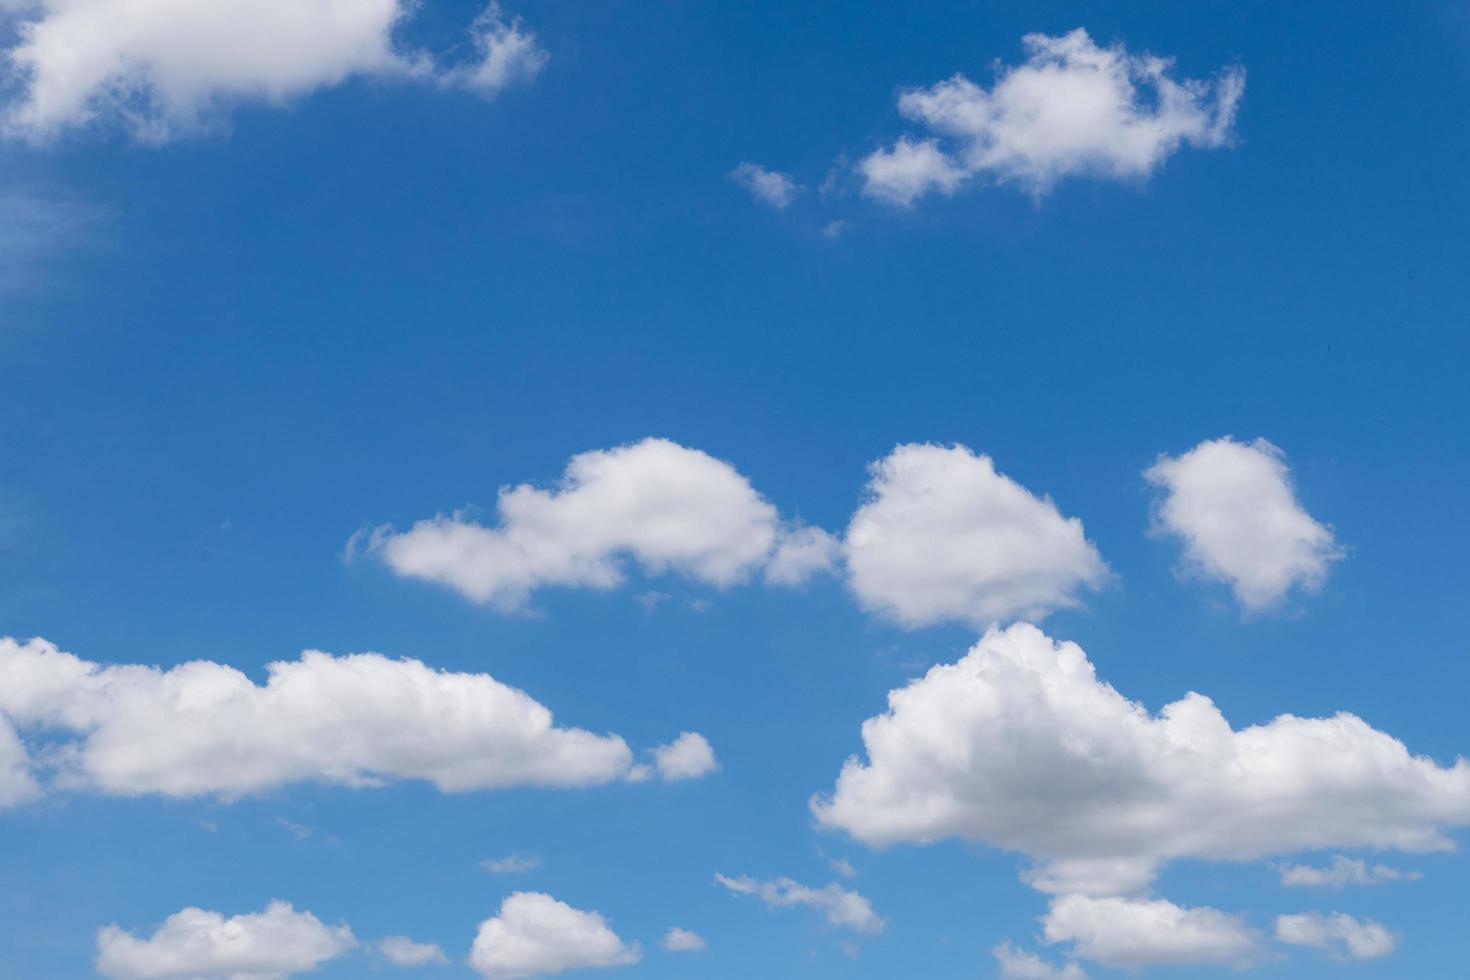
(687, 757)
(1017, 964)
(802, 553)
(1233, 506)
(511, 864)
(678, 940)
(17, 785)
(668, 508)
(1073, 109)
(1343, 871)
(943, 536)
(841, 907)
(165, 68)
(535, 934)
(203, 728)
(202, 945)
(843, 867)
(507, 54)
(908, 171)
(402, 951)
(770, 187)
(1020, 746)
(1341, 935)
(1131, 933)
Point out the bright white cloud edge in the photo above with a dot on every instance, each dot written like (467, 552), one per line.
(1072, 109)
(203, 728)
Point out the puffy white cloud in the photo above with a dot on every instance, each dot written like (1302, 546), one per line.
(909, 170)
(203, 945)
(1020, 746)
(163, 68)
(1017, 964)
(203, 728)
(1130, 933)
(769, 187)
(534, 934)
(841, 907)
(402, 951)
(1071, 109)
(1233, 507)
(667, 507)
(1343, 871)
(1340, 934)
(678, 940)
(16, 782)
(943, 536)
(687, 757)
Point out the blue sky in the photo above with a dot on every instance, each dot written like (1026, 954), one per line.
(237, 333)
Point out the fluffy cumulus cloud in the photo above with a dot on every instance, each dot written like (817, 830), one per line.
(203, 728)
(687, 757)
(1071, 109)
(1019, 745)
(201, 945)
(1018, 964)
(534, 934)
(1132, 933)
(1341, 872)
(402, 951)
(841, 907)
(1339, 934)
(943, 536)
(1233, 506)
(164, 68)
(769, 187)
(661, 505)
(678, 940)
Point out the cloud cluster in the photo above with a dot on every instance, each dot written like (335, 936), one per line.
(534, 934)
(1339, 934)
(664, 506)
(1071, 109)
(838, 905)
(199, 944)
(203, 728)
(165, 68)
(1343, 871)
(1233, 507)
(1020, 746)
(943, 536)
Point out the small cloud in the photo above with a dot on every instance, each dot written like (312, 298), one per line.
(651, 600)
(687, 757)
(678, 940)
(769, 187)
(402, 951)
(511, 864)
(299, 831)
(843, 867)
(834, 230)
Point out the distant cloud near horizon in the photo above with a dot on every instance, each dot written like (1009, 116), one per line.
(161, 70)
(1072, 109)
